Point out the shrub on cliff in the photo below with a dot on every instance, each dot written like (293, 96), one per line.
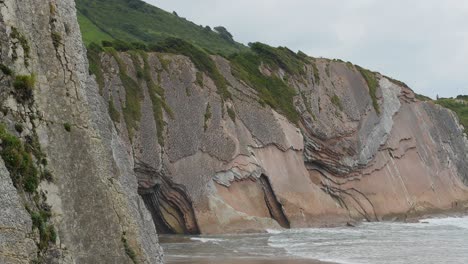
(18, 161)
(271, 89)
(280, 57)
(24, 85)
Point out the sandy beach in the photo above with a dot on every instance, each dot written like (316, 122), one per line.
(172, 260)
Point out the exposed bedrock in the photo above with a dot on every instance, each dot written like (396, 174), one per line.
(235, 165)
(168, 203)
(80, 202)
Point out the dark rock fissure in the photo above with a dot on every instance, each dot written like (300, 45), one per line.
(274, 206)
(168, 202)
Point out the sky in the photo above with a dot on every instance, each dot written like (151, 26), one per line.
(423, 43)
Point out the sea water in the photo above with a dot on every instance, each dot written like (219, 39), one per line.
(431, 241)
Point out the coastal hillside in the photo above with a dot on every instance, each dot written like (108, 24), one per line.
(120, 121)
(138, 22)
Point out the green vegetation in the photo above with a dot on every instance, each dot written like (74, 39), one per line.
(207, 116)
(397, 82)
(199, 79)
(52, 9)
(56, 39)
(15, 34)
(272, 90)
(200, 58)
(459, 106)
(6, 70)
(19, 128)
(316, 73)
(137, 21)
(164, 63)
(67, 127)
(18, 161)
(47, 232)
(24, 85)
(94, 59)
(128, 250)
(337, 102)
(231, 114)
(18, 158)
(136, 64)
(90, 32)
(373, 85)
(280, 57)
(223, 32)
(157, 98)
(133, 95)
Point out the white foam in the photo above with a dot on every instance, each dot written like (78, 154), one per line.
(206, 240)
(274, 231)
(460, 222)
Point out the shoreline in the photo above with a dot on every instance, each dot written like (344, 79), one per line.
(189, 256)
(240, 260)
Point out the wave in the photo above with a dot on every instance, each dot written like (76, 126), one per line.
(429, 241)
(206, 240)
(460, 222)
(274, 231)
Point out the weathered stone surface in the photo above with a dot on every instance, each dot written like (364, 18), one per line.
(94, 202)
(343, 161)
(15, 224)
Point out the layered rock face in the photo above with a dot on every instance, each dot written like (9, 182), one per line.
(77, 202)
(237, 165)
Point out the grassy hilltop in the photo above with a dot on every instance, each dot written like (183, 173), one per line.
(135, 25)
(137, 21)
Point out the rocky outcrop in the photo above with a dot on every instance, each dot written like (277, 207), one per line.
(80, 190)
(239, 166)
(15, 224)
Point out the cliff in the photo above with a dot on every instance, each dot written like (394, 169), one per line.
(356, 146)
(68, 190)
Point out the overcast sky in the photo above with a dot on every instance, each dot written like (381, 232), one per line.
(421, 42)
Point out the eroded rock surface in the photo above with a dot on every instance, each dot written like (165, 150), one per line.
(347, 158)
(91, 198)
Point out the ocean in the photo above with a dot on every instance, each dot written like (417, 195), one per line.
(431, 241)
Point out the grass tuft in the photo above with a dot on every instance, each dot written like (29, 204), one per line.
(337, 102)
(373, 85)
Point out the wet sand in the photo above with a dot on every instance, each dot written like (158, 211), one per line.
(172, 260)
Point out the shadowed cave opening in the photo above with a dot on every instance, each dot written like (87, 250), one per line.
(168, 203)
(274, 206)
